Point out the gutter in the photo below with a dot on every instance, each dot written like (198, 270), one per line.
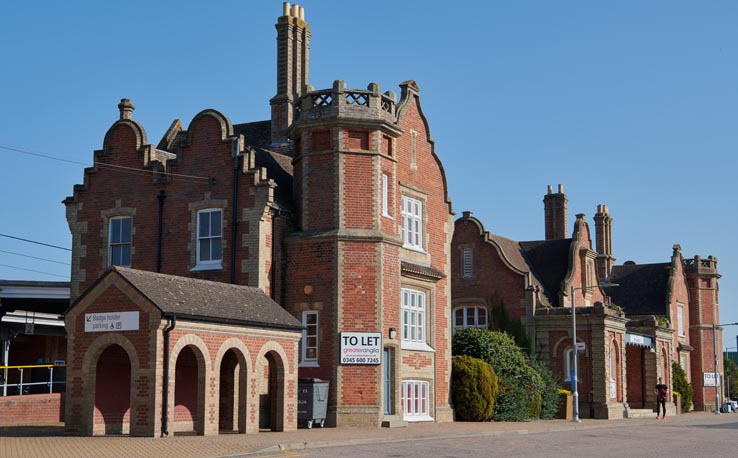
(165, 382)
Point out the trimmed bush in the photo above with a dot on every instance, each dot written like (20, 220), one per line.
(682, 386)
(474, 388)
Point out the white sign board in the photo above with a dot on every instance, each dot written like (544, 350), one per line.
(361, 348)
(710, 379)
(111, 321)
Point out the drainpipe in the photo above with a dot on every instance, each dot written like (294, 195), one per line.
(165, 387)
(161, 196)
(234, 214)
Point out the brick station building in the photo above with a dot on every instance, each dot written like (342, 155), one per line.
(337, 209)
(631, 333)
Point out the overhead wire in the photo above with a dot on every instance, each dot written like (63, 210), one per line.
(34, 271)
(100, 164)
(34, 257)
(33, 241)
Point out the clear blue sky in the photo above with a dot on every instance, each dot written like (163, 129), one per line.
(633, 104)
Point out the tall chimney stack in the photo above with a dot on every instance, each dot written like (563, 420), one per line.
(556, 208)
(293, 67)
(603, 235)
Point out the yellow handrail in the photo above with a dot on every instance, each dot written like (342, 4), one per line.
(31, 367)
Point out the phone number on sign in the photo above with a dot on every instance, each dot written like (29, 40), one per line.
(360, 360)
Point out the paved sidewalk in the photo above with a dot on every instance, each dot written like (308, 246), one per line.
(49, 441)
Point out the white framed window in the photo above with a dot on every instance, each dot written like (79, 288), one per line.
(412, 223)
(683, 363)
(413, 316)
(680, 319)
(467, 262)
(416, 400)
(470, 317)
(210, 237)
(385, 195)
(309, 342)
(119, 241)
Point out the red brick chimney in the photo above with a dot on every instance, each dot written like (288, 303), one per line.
(293, 67)
(603, 235)
(555, 207)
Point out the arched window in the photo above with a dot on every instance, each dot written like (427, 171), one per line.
(470, 316)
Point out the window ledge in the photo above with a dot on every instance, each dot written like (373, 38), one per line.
(309, 364)
(417, 346)
(385, 215)
(198, 267)
(414, 248)
(418, 418)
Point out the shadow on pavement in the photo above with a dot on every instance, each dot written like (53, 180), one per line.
(33, 431)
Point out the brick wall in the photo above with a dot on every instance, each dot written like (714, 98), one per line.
(32, 409)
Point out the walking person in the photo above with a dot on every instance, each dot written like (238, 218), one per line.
(661, 391)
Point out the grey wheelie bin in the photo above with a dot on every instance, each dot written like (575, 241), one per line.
(312, 401)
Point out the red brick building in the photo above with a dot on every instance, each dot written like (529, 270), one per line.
(631, 332)
(336, 208)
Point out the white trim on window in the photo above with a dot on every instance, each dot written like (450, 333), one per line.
(413, 317)
(120, 236)
(470, 316)
(416, 400)
(309, 341)
(680, 319)
(209, 239)
(412, 223)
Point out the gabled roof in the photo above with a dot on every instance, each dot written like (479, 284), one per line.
(549, 260)
(643, 288)
(208, 300)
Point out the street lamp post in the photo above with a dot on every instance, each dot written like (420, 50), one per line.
(714, 349)
(575, 375)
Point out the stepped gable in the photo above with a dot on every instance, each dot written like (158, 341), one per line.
(208, 300)
(549, 260)
(643, 288)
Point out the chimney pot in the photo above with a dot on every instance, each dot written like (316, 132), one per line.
(295, 11)
(302, 13)
(550, 189)
(126, 109)
(286, 9)
(561, 188)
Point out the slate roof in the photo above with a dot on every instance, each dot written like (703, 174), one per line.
(514, 254)
(643, 288)
(209, 300)
(549, 260)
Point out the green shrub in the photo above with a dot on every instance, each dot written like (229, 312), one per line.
(512, 404)
(550, 397)
(682, 386)
(498, 349)
(522, 385)
(474, 387)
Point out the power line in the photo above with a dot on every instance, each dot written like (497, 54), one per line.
(34, 257)
(33, 241)
(34, 271)
(100, 164)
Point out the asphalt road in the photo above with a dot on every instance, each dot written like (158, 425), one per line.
(706, 436)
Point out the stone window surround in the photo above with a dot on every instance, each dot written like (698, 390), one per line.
(116, 212)
(421, 287)
(195, 208)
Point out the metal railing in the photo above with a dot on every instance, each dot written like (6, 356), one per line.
(24, 387)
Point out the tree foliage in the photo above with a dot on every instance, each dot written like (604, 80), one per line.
(731, 373)
(682, 386)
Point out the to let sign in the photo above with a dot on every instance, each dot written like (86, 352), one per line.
(361, 348)
(111, 321)
(710, 379)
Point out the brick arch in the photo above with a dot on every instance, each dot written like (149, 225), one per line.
(89, 376)
(226, 126)
(245, 375)
(277, 361)
(137, 129)
(204, 368)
